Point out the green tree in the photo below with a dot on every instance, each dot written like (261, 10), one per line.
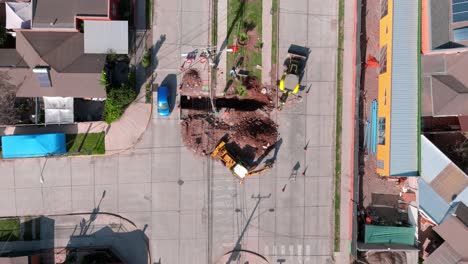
(242, 91)
(3, 37)
(117, 100)
(146, 60)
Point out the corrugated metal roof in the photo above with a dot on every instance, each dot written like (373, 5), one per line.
(389, 234)
(433, 161)
(105, 37)
(431, 202)
(404, 105)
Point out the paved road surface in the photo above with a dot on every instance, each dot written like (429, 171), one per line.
(191, 209)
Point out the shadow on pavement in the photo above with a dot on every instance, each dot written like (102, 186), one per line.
(155, 50)
(104, 238)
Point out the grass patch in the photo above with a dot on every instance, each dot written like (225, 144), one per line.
(241, 16)
(86, 144)
(339, 102)
(149, 13)
(148, 93)
(214, 25)
(274, 38)
(242, 91)
(9, 229)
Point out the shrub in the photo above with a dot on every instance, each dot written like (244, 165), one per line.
(243, 36)
(259, 44)
(3, 37)
(146, 60)
(131, 78)
(117, 100)
(249, 25)
(149, 93)
(103, 81)
(112, 56)
(241, 91)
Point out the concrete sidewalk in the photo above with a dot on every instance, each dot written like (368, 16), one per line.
(348, 126)
(128, 130)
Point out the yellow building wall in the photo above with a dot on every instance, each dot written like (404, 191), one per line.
(385, 91)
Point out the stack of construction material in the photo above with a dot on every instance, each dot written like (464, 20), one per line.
(370, 129)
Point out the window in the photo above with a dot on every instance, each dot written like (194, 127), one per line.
(380, 164)
(459, 11)
(381, 131)
(43, 76)
(383, 8)
(383, 59)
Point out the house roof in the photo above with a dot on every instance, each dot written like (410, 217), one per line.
(61, 14)
(63, 51)
(450, 182)
(79, 85)
(444, 254)
(404, 92)
(72, 72)
(431, 202)
(14, 260)
(18, 15)
(445, 85)
(454, 232)
(442, 184)
(462, 213)
(105, 37)
(11, 58)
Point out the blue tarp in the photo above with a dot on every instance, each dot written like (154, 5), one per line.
(23, 146)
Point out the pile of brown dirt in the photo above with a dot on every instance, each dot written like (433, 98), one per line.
(265, 94)
(191, 82)
(249, 133)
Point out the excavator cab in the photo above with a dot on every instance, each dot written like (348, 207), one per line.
(291, 79)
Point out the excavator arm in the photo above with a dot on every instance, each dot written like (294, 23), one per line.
(255, 172)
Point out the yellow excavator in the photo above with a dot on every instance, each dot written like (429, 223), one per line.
(237, 167)
(290, 81)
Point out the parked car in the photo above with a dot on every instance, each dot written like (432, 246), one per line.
(164, 108)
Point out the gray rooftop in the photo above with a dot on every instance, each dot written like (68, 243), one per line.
(404, 110)
(444, 84)
(61, 14)
(101, 37)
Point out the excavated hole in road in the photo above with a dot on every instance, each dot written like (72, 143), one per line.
(203, 103)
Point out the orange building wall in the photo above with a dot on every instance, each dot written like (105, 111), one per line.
(385, 90)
